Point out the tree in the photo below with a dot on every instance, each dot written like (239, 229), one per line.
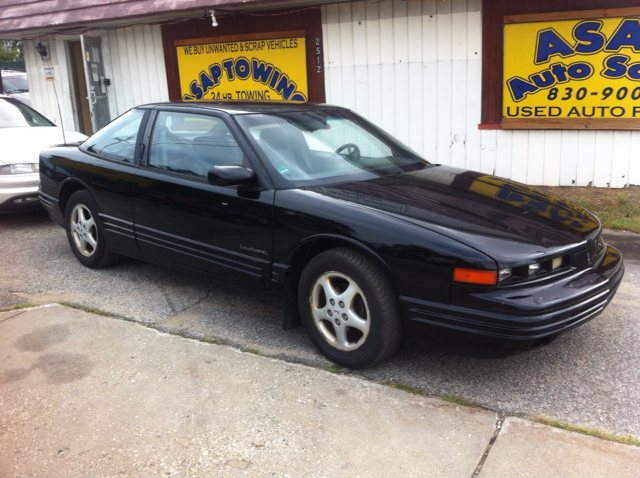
(11, 50)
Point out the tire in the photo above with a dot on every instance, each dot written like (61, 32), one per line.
(84, 232)
(349, 308)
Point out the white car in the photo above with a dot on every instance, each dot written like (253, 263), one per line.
(23, 134)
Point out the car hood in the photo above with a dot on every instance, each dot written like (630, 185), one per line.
(483, 211)
(23, 145)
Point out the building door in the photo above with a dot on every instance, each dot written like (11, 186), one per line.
(80, 97)
(96, 87)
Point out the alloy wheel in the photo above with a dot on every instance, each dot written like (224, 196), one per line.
(340, 311)
(83, 230)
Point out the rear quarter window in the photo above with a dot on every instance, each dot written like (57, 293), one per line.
(117, 140)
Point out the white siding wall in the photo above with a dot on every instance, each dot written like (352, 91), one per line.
(43, 92)
(139, 74)
(415, 69)
(134, 61)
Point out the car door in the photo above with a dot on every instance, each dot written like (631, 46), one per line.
(180, 217)
(107, 164)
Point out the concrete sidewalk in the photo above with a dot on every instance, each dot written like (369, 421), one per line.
(86, 395)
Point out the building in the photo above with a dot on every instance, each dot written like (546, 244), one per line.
(543, 92)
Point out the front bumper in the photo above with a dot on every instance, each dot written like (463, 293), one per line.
(516, 320)
(19, 192)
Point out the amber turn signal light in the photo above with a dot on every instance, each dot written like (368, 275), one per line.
(475, 277)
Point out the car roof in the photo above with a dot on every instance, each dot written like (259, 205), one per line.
(9, 73)
(247, 107)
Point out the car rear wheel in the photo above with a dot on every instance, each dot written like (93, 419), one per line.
(349, 308)
(84, 232)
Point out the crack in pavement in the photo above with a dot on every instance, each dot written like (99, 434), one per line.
(499, 422)
(12, 316)
(199, 301)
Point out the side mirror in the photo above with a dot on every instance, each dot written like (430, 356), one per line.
(230, 175)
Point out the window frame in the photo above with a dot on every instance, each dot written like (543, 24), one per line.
(261, 181)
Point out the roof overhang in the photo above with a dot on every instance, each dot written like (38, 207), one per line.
(29, 19)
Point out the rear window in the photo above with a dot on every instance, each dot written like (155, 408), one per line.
(15, 84)
(14, 114)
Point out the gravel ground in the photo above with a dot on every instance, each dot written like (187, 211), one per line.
(587, 377)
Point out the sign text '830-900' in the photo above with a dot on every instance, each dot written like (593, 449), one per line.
(573, 69)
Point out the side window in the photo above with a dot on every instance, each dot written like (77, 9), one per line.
(117, 140)
(192, 144)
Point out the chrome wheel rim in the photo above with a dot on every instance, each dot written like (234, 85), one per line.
(340, 311)
(84, 230)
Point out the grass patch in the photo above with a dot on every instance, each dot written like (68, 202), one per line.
(405, 388)
(91, 310)
(622, 200)
(332, 368)
(451, 398)
(249, 351)
(459, 401)
(210, 341)
(617, 208)
(18, 307)
(605, 435)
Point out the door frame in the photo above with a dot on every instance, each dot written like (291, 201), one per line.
(65, 64)
(88, 80)
(79, 100)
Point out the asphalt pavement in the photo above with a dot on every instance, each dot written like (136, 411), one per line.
(588, 377)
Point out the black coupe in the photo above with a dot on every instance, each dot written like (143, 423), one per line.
(355, 234)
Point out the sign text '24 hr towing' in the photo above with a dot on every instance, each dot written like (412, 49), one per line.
(247, 70)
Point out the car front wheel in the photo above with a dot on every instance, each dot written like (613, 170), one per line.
(84, 232)
(349, 308)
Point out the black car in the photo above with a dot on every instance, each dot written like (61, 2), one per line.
(354, 233)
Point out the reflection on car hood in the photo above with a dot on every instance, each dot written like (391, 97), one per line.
(466, 204)
(23, 145)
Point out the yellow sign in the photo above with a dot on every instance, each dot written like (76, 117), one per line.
(572, 69)
(268, 69)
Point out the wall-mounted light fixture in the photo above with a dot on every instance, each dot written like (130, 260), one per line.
(42, 50)
(214, 22)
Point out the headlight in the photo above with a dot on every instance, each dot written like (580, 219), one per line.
(20, 168)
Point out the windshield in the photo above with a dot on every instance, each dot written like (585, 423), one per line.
(310, 148)
(14, 114)
(15, 84)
